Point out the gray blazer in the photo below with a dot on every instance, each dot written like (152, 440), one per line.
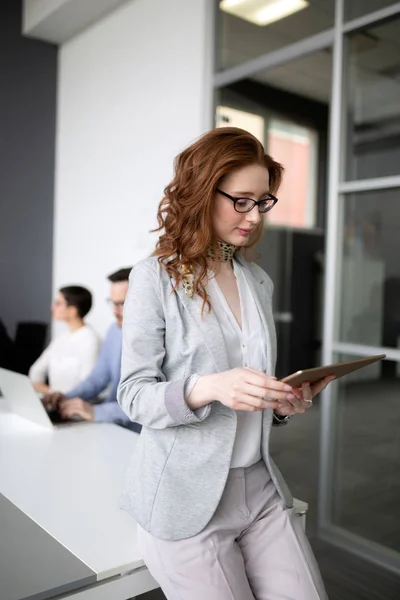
(181, 462)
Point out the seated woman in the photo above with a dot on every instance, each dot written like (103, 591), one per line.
(70, 357)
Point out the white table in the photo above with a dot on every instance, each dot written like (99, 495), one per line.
(63, 486)
(68, 481)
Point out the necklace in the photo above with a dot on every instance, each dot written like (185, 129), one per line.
(221, 251)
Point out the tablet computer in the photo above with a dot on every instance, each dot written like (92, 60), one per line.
(337, 369)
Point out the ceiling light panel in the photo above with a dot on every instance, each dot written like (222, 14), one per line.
(262, 12)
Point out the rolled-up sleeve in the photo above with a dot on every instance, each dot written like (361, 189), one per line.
(143, 393)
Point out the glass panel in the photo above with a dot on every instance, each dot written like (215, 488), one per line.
(367, 484)
(296, 148)
(240, 40)
(359, 8)
(292, 258)
(309, 76)
(370, 269)
(373, 102)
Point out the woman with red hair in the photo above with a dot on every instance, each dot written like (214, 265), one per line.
(215, 517)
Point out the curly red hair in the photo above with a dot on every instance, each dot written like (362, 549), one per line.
(186, 211)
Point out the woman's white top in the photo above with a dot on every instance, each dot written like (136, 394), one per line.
(246, 347)
(67, 360)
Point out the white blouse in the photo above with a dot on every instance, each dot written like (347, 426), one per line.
(246, 347)
(67, 360)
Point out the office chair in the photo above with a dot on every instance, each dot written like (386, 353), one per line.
(30, 341)
(7, 349)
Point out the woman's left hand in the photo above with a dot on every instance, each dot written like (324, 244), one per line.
(303, 397)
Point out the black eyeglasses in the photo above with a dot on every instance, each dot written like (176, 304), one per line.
(244, 205)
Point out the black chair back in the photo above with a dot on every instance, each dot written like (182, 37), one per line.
(30, 341)
(7, 349)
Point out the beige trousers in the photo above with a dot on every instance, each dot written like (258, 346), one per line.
(254, 548)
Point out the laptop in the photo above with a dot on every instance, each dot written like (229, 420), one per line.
(23, 400)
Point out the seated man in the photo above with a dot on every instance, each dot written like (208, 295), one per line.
(105, 373)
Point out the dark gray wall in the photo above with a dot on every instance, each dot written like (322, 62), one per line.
(28, 72)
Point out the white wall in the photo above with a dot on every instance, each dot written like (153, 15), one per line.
(134, 90)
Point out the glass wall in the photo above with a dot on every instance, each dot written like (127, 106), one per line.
(370, 310)
(359, 8)
(368, 454)
(372, 101)
(309, 76)
(250, 28)
(359, 483)
(328, 107)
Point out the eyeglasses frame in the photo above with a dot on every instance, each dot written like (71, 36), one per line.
(255, 202)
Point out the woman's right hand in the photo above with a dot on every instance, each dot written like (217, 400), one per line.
(240, 389)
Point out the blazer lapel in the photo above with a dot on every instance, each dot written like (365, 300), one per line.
(209, 327)
(211, 331)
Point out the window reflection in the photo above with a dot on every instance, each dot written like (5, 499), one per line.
(367, 487)
(296, 148)
(373, 102)
(359, 8)
(370, 273)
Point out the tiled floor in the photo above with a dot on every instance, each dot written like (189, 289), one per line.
(349, 578)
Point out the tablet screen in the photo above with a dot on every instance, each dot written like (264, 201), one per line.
(337, 369)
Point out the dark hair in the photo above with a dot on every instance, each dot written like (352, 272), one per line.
(120, 275)
(78, 296)
(185, 212)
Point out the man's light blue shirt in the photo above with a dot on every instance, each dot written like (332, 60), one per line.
(105, 373)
